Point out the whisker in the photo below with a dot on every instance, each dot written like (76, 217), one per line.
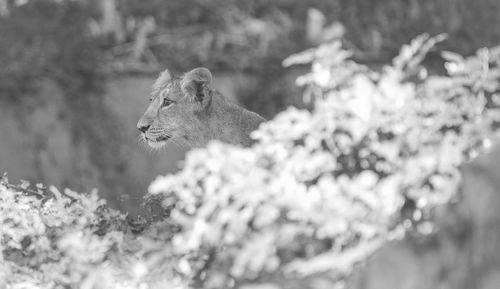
(174, 141)
(156, 146)
(165, 147)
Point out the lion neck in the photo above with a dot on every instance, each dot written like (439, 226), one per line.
(225, 122)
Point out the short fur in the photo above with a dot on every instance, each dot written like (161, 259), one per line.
(190, 109)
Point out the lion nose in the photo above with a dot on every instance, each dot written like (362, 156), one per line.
(143, 127)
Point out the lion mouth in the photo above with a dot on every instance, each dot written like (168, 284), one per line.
(156, 141)
(162, 138)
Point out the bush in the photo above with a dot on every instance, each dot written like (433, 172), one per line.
(321, 190)
(317, 194)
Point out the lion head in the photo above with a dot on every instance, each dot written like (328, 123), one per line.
(174, 106)
(190, 109)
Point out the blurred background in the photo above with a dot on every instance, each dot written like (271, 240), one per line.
(76, 75)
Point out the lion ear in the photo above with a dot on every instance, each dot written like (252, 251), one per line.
(165, 75)
(197, 84)
(163, 78)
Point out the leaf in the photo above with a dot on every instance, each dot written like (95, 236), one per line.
(24, 184)
(334, 261)
(452, 56)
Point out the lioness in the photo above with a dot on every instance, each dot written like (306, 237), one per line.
(190, 109)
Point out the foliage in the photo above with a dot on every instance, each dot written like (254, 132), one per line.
(374, 29)
(381, 27)
(321, 190)
(221, 34)
(47, 40)
(225, 35)
(317, 194)
(53, 239)
(48, 237)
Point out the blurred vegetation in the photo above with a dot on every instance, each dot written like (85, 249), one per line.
(48, 41)
(45, 40)
(76, 42)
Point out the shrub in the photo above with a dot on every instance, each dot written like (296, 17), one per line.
(321, 190)
(53, 239)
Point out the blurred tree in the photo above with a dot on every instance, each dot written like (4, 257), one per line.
(47, 40)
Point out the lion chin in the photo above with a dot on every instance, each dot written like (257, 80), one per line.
(157, 144)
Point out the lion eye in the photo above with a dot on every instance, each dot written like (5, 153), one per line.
(166, 102)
